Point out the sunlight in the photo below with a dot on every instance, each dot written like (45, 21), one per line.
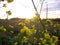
(25, 9)
(19, 9)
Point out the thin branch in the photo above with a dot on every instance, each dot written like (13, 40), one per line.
(41, 6)
(46, 10)
(38, 14)
(35, 8)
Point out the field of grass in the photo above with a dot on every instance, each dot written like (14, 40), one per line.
(29, 32)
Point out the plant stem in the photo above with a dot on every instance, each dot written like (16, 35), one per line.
(38, 14)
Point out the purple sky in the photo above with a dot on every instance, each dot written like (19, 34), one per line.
(53, 5)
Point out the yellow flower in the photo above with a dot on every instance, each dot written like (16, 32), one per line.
(4, 29)
(9, 1)
(27, 21)
(33, 26)
(53, 44)
(51, 40)
(41, 39)
(35, 19)
(33, 31)
(15, 43)
(22, 31)
(55, 39)
(56, 25)
(49, 22)
(11, 31)
(25, 39)
(21, 24)
(39, 43)
(11, 26)
(9, 12)
(44, 41)
(46, 31)
(47, 36)
(35, 39)
(26, 30)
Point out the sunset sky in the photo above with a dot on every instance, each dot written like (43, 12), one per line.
(25, 9)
